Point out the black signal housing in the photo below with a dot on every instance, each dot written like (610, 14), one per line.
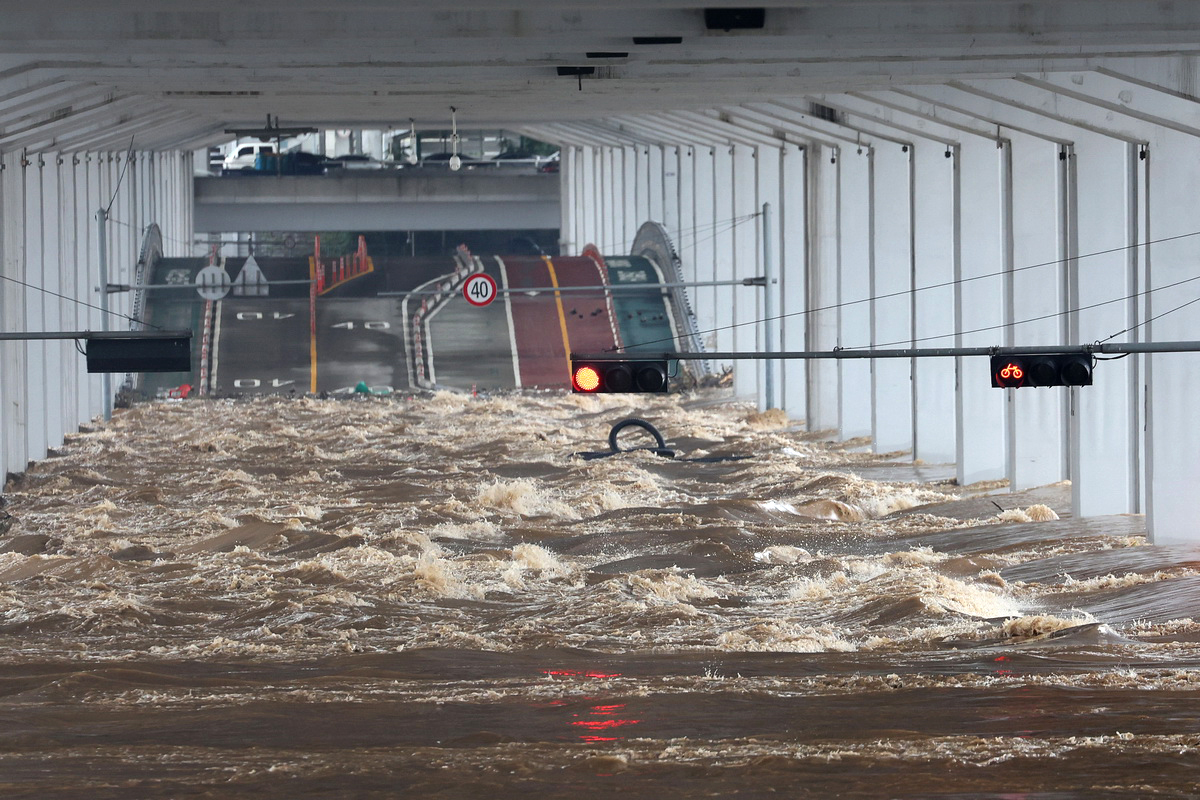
(624, 376)
(1041, 369)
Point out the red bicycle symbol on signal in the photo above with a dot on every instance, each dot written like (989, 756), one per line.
(1012, 372)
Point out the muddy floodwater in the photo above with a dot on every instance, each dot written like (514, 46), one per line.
(437, 597)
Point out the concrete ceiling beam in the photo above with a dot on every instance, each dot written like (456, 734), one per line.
(955, 119)
(1054, 106)
(867, 115)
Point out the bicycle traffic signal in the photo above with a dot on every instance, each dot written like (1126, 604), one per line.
(1053, 369)
(596, 377)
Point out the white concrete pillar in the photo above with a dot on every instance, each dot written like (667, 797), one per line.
(891, 289)
(670, 193)
(596, 206)
(655, 184)
(609, 238)
(641, 178)
(979, 312)
(854, 280)
(934, 266)
(37, 375)
(629, 205)
(94, 167)
(746, 252)
(684, 235)
(13, 409)
(704, 240)
(570, 239)
(769, 163)
(1038, 183)
(792, 270)
(824, 257)
(1172, 379)
(1104, 455)
(57, 365)
(78, 265)
(723, 248)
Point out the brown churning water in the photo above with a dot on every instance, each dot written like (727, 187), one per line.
(434, 597)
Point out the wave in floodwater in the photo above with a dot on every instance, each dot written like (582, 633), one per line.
(439, 596)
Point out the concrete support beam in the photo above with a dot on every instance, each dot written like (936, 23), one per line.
(793, 268)
(824, 259)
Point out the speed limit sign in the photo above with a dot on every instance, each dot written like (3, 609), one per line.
(479, 289)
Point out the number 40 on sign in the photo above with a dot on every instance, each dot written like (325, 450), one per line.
(479, 289)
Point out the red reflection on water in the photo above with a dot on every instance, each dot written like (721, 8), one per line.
(599, 718)
(575, 673)
(603, 718)
(601, 724)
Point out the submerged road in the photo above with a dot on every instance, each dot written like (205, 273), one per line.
(273, 344)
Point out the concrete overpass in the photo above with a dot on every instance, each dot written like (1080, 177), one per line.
(937, 171)
(383, 200)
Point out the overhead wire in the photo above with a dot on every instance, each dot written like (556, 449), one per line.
(944, 284)
(1014, 323)
(120, 178)
(1148, 321)
(84, 303)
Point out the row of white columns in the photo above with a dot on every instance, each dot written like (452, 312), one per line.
(49, 276)
(1041, 210)
(709, 194)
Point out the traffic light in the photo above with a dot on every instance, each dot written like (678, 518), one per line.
(1052, 369)
(595, 377)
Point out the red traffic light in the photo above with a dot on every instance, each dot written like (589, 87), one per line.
(1045, 369)
(585, 378)
(1009, 373)
(619, 376)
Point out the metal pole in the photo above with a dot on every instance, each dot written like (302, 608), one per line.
(770, 316)
(919, 352)
(102, 225)
(125, 287)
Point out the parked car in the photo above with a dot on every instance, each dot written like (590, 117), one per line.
(245, 156)
(296, 162)
(355, 161)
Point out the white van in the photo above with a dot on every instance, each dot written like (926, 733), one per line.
(243, 156)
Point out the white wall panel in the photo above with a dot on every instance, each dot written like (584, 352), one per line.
(1037, 416)
(824, 254)
(723, 247)
(704, 239)
(891, 290)
(1173, 379)
(1103, 452)
(854, 280)
(979, 311)
(48, 240)
(746, 255)
(933, 305)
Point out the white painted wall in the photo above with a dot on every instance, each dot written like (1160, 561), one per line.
(49, 240)
(1054, 208)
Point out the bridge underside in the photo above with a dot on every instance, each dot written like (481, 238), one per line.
(939, 172)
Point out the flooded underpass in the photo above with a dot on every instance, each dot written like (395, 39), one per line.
(437, 596)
